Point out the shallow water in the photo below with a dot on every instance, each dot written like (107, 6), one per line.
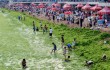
(18, 41)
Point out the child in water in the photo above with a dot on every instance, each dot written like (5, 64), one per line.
(24, 64)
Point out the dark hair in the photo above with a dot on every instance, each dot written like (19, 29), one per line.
(53, 43)
(68, 56)
(64, 47)
(24, 60)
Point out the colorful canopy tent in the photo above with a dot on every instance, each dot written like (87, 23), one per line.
(56, 5)
(37, 7)
(67, 7)
(33, 4)
(21, 4)
(26, 6)
(16, 4)
(54, 9)
(67, 12)
(41, 5)
(96, 8)
(86, 7)
(80, 5)
(105, 10)
(48, 8)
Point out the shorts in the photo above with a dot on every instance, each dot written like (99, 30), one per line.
(24, 66)
(50, 34)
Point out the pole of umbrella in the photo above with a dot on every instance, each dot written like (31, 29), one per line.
(79, 22)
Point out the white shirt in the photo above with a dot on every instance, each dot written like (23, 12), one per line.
(89, 19)
(57, 17)
(51, 30)
(89, 62)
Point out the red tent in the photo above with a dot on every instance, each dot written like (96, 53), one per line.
(67, 12)
(105, 10)
(41, 5)
(20, 4)
(16, 4)
(80, 5)
(37, 7)
(67, 7)
(56, 5)
(96, 8)
(54, 9)
(33, 4)
(48, 7)
(86, 7)
(26, 7)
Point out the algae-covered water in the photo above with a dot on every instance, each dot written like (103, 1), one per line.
(17, 41)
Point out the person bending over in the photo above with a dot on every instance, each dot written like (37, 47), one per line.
(104, 57)
(89, 63)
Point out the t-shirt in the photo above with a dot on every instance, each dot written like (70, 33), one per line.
(51, 30)
(89, 62)
(69, 45)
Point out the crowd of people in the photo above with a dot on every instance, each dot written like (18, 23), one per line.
(78, 18)
(66, 48)
(45, 29)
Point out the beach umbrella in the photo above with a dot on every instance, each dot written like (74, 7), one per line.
(80, 5)
(56, 5)
(96, 8)
(41, 5)
(105, 10)
(16, 4)
(26, 6)
(86, 7)
(67, 12)
(67, 7)
(33, 4)
(20, 4)
(54, 9)
(48, 7)
(37, 7)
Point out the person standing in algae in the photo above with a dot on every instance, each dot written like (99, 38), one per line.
(24, 66)
(54, 48)
(34, 27)
(62, 40)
